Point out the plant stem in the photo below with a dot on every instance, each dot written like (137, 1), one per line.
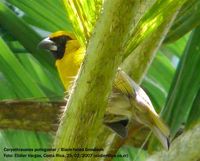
(82, 120)
(184, 148)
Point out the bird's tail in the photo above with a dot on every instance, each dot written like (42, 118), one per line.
(161, 131)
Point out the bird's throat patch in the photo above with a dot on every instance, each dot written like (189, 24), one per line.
(60, 42)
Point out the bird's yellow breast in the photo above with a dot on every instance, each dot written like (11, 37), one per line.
(69, 65)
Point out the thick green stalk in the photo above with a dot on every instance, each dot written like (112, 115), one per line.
(86, 106)
(138, 62)
(136, 65)
(149, 23)
(184, 148)
(114, 142)
(83, 120)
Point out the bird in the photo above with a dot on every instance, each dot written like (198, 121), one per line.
(128, 101)
(67, 52)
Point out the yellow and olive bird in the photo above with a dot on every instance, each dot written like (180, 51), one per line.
(128, 101)
(68, 54)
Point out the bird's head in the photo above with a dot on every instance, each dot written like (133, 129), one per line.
(56, 43)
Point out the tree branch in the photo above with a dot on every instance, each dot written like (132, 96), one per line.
(30, 115)
(39, 116)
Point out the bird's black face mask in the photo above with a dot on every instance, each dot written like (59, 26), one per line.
(56, 45)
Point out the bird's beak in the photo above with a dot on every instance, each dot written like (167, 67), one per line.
(47, 44)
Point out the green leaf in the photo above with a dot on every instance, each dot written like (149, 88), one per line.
(7, 88)
(152, 19)
(185, 85)
(158, 79)
(41, 75)
(176, 48)
(22, 83)
(45, 14)
(194, 116)
(83, 15)
(23, 139)
(186, 20)
(25, 35)
(162, 71)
